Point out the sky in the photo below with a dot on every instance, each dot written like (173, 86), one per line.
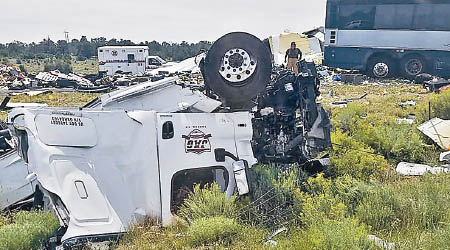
(148, 20)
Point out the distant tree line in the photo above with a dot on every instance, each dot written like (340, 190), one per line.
(85, 48)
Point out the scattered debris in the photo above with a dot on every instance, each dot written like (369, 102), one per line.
(407, 103)
(410, 119)
(438, 130)
(353, 78)
(432, 83)
(274, 234)
(345, 102)
(445, 156)
(412, 169)
(381, 243)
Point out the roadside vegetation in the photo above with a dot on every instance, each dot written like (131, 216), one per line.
(360, 195)
(26, 230)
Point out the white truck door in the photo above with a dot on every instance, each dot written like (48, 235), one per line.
(14, 185)
(186, 144)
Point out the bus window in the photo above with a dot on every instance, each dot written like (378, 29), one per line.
(432, 17)
(352, 16)
(440, 17)
(399, 16)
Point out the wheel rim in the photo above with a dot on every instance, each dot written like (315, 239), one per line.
(413, 67)
(237, 66)
(381, 69)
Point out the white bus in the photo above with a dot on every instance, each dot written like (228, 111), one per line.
(385, 38)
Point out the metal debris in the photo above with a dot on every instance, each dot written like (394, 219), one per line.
(381, 243)
(438, 130)
(412, 169)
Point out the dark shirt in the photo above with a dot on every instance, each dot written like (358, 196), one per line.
(294, 53)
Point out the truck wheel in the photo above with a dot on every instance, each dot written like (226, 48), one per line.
(413, 66)
(380, 67)
(237, 68)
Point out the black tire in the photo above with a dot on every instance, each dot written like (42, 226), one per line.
(413, 65)
(375, 65)
(238, 95)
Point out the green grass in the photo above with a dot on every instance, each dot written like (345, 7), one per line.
(34, 66)
(56, 99)
(27, 230)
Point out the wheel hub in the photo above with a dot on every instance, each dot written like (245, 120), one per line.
(237, 65)
(414, 67)
(381, 69)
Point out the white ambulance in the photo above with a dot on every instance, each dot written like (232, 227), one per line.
(122, 59)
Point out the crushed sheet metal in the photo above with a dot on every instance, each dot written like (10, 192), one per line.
(25, 105)
(412, 169)
(445, 156)
(381, 243)
(438, 130)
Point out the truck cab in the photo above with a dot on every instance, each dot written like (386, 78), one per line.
(157, 157)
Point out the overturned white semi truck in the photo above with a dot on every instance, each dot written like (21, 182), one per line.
(128, 154)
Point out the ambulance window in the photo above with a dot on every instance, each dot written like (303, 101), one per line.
(140, 50)
(130, 57)
(101, 50)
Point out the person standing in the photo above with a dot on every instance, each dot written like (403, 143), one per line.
(293, 55)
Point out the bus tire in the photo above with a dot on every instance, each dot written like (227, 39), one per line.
(380, 67)
(412, 66)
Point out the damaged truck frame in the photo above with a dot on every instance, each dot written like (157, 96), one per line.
(133, 152)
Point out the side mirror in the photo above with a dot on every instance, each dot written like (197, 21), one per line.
(240, 175)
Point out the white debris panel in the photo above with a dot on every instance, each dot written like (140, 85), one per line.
(412, 169)
(438, 130)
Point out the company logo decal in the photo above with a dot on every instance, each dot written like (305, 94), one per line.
(114, 52)
(197, 142)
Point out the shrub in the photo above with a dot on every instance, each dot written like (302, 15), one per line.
(396, 142)
(272, 192)
(63, 67)
(407, 205)
(380, 209)
(28, 230)
(354, 158)
(440, 107)
(3, 221)
(208, 202)
(325, 198)
(346, 233)
(348, 116)
(209, 230)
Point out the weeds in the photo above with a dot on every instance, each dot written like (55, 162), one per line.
(212, 230)
(208, 202)
(28, 230)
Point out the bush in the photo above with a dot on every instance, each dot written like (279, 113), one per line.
(346, 233)
(63, 67)
(421, 205)
(380, 208)
(354, 158)
(28, 230)
(440, 107)
(206, 231)
(325, 198)
(3, 221)
(348, 116)
(396, 142)
(208, 202)
(272, 192)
